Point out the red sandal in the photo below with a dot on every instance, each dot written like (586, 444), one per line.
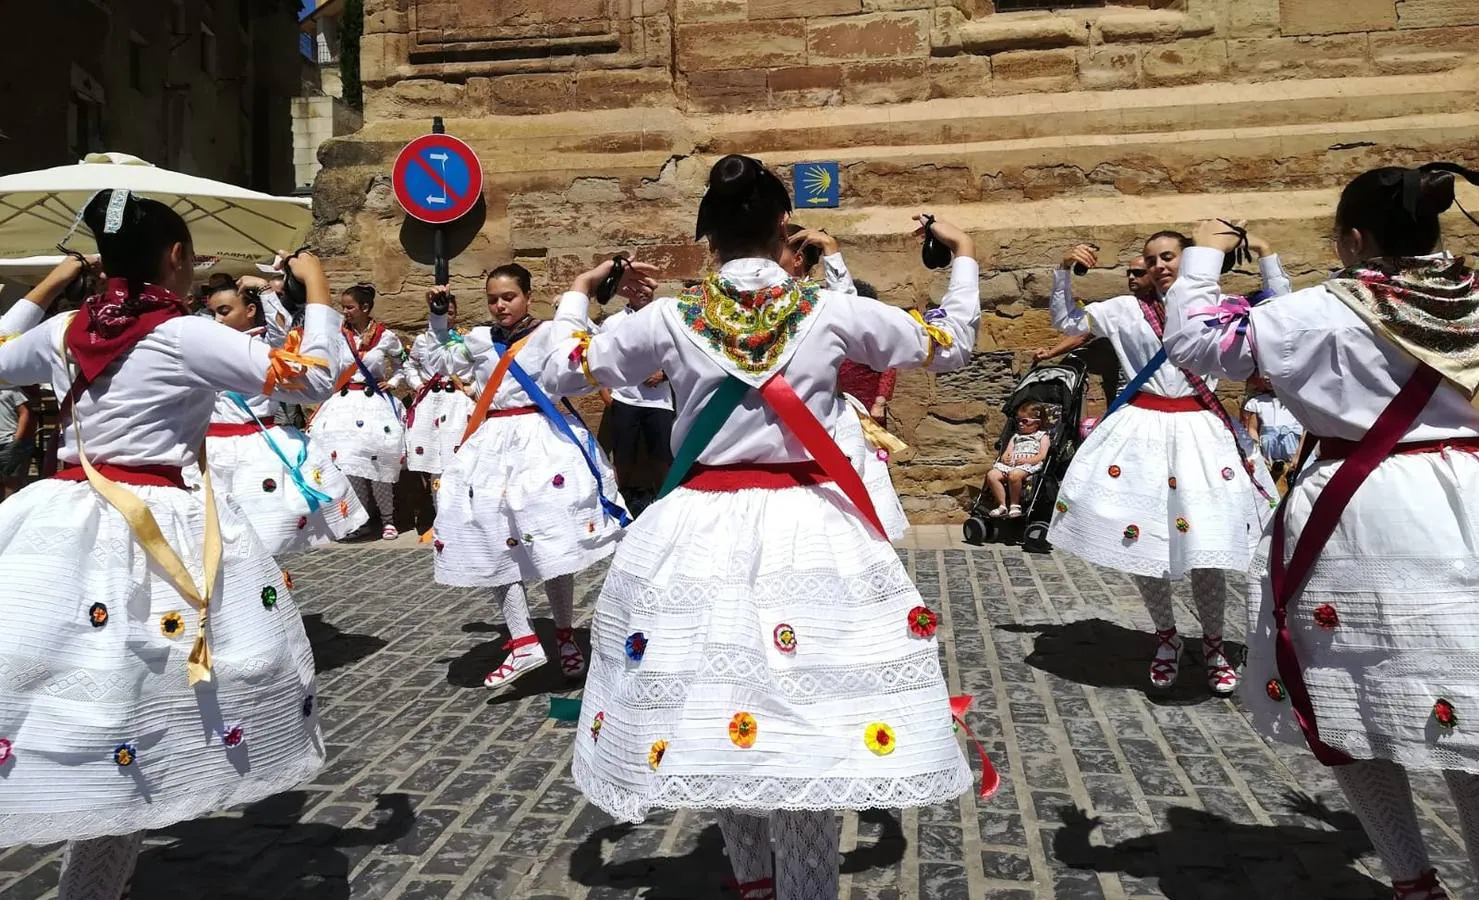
(1423, 887)
(572, 661)
(759, 889)
(1222, 678)
(1167, 663)
(518, 664)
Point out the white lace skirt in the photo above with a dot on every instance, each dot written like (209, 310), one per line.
(247, 473)
(1159, 494)
(873, 469)
(431, 438)
(87, 666)
(1388, 623)
(752, 650)
(519, 503)
(361, 435)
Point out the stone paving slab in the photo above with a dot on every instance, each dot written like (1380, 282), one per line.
(436, 789)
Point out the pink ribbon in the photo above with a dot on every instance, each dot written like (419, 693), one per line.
(1232, 311)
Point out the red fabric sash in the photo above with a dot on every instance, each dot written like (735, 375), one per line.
(237, 429)
(514, 411)
(800, 421)
(1288, 579)
(139, 476)
(427, 388)
(1156, 402)
(765, 476)
(109, 324)
(1336, 448)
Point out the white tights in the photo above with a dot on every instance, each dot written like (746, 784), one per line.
(99, 869)
(515, 603)
(1381, 796)
(1208, 590)
(806, 851)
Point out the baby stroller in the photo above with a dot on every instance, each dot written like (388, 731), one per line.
(1059, 387)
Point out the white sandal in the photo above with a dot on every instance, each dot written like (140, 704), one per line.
(518, 664)
(998, 512)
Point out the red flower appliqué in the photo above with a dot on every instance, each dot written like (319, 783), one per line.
(1114, 471)
(1228, 474)
(559, 481)
(923, 622)
(1275, 690)
(1445, 715)
(1326, 616)
(1132, 532)
(233, 736)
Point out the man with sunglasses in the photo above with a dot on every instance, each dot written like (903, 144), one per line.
(1098, 353)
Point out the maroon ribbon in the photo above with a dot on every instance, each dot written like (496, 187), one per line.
(1287, 580)
(427, 388)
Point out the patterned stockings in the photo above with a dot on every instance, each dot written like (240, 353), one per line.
(375, 495)
(561, 594)
(1209, 592)
(99, 869)
(805, 862)
(1381, 796)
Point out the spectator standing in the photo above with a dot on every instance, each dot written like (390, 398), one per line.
(17, 440)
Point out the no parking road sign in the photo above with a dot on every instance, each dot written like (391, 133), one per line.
(437, 179)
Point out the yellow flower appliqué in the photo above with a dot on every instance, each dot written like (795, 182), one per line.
(654, 756)
(743, 730)
(879, 738)
(171, 625)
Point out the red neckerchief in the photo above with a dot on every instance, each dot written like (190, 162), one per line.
(109, 324)
(366, 340)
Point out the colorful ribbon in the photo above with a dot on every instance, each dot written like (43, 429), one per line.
(1232, 311)
(314, 497)
(990, 780)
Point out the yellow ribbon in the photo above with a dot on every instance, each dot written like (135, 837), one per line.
(147, 532)
(583, 353)
(938, 336)
(879, 437)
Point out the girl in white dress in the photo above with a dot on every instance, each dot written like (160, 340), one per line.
(120, 710)
(1365, 642)
(440, 405)
(529, 497)
(1161, 488)
(1024, 456)
(758, 647)
(360, 425)
(291, 493)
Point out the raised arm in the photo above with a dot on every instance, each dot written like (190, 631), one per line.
(835, 276)
(620, 356)
(1068, 317)
(27, 352)
(1202, 335)
(1275, 281)
(446, 355)
(221, 359)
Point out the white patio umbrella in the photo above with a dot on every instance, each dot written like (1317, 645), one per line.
(38, 209)
(30, 270)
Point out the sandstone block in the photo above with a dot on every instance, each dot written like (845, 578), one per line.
(534, 93)
(870, 37)
(787, 9)
(1185, 62)
(1304, 57)
(894, 5)
(688, 11)
(741, 45)
(1436, 13)
(1150, 25)
(1336, 16)
(805, 86)
(1251, 18)
(728, 90)
(623, 87)
(1049, 69)
(958, 76)
(996, 33)
(888, 81)
(1424, 49)
(1103, 68)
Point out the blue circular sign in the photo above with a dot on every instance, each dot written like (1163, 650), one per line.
(437, 179)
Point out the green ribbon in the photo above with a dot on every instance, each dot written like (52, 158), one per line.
(725, 400)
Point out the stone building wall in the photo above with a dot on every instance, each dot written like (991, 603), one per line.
(596, 122)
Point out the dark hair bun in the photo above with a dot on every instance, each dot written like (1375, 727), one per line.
(367, 289)
(734, 176)
(1435, 194)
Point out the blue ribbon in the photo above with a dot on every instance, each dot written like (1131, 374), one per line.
(562, 425)
(1136, 383)
(371, 382)
(315, 498)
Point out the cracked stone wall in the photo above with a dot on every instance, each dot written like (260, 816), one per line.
(596, 122)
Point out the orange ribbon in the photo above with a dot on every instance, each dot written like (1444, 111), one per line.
(285, 365)
(485, 399)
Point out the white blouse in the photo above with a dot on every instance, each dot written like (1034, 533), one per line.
(452, 358)
(152, 406)
(420, 368)
(379, 359)
(1327, 365)
(842, 326)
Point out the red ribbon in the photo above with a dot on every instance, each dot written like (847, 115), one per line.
(990, 780)
(1287, 580)
(802, 422)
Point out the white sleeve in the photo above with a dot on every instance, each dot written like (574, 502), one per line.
(219, 358)
(1068, 317)
(618, 357)
(279, 320)
(1194, 341)
(884, 337)
(27, 352)
(447, 357)
(835, 276)
(1276, 282)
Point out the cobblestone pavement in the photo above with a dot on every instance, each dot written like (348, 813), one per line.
(434, 789)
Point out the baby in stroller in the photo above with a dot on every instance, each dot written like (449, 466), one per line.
(1024, 455)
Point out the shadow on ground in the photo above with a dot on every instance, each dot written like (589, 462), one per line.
(268, 852)
(704, 871)
(1099, 653)
(333, 648)
(1204, 856)
(469, 669)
